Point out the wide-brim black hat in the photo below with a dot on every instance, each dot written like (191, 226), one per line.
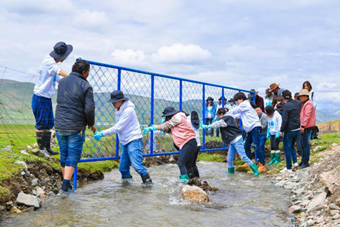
(117, 96)
(221, 98)
(169, 111)
(209, 98)
(61, 51)
(231, 100)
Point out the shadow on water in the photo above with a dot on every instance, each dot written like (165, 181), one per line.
(241, 201)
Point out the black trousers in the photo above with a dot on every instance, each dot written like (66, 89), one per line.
(187, 156)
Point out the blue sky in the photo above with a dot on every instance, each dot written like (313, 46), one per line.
(238, 43)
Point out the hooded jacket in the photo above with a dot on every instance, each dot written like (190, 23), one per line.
(127, 126)
(248, 115)
(75, 105)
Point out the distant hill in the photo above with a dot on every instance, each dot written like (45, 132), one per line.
(15, 106)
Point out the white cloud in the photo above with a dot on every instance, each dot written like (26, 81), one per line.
(181, 54)
(86, 18)
(129, 57)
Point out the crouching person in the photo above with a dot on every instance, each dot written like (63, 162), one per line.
(183, 137)
(130, 137)
(75, 111)
(232, 135)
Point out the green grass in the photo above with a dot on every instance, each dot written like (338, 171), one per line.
(19, 136)
(324, 142)
(210, 157)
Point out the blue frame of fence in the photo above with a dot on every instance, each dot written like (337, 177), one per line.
(153, 75)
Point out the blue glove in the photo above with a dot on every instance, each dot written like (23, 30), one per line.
(98, 135)
(205, 126)
(148, 129)
(277, 135)
(162, 121)
(268, 134)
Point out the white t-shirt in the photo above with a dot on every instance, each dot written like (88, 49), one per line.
(274, 123)
(48, 76)
(209, 111)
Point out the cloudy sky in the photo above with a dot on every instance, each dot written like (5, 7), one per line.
(238, 43)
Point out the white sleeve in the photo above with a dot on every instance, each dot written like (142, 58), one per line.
(239, 109)
(54, 69)
(121, 124)
(279, 121)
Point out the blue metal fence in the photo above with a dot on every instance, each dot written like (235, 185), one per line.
(151, 93)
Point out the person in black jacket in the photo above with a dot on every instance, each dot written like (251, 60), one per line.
(231, 134)
(290, 129)
(75, 111)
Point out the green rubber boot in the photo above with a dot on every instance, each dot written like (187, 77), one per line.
(272, 158)
(277, 158)
(184, 178)
(231, 170)
(253, 167)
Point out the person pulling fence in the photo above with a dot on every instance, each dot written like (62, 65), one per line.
(231, 134)
(130, 137)
(183, 137)
(44, 89)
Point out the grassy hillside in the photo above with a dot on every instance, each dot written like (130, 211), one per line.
(329, 126)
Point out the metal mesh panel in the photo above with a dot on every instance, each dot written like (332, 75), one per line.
(212, 136)
(103, 81)
(166, 93)
(150, 94)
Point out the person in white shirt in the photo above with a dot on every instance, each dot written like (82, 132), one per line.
(209, 115)
(273, 132)
(44, 89)
(252, 126)
(130, 136)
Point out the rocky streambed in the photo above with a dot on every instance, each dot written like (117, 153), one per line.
(315, 191)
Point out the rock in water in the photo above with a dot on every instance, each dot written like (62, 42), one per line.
(40, 192)
(195, 194)
(28, 200)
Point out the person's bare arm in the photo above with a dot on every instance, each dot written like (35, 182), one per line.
(63, 73)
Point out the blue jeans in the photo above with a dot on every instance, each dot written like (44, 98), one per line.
(132, 155)
(70, 146)
(237, 147)
(305, 137)
(263, 139)
(289, 140)
(254, 137)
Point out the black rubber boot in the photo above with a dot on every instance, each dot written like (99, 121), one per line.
(147, 180)
(47, 139)
(196, 173)
(191, 173)
(127, 180)
(41, 143)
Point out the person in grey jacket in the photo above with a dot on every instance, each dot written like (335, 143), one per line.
(264, 127)
(75, 111)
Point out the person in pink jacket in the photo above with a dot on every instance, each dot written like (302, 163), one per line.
(308, 120)
(183, 137)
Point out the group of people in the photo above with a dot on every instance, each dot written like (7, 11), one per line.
(274, 117)
(211, 115)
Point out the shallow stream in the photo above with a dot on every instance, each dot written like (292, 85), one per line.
(241, 201)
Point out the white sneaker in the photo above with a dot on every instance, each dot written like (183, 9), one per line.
(285, 170)
(295, 165)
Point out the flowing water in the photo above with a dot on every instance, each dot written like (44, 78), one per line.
(241, 201)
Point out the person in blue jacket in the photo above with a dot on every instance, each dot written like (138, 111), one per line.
(210, 113)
